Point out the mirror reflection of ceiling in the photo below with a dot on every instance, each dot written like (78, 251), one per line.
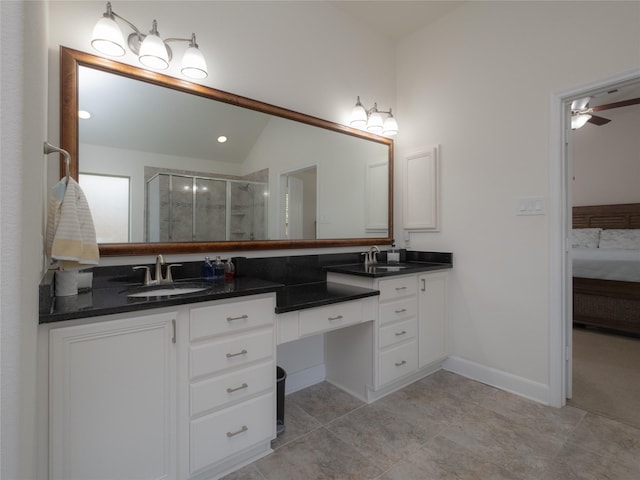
(172, 122)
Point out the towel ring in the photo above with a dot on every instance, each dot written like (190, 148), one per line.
(48, 148)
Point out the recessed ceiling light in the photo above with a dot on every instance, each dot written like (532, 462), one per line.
(222, 139)
(84, 115)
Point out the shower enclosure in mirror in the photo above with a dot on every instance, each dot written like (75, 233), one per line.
(185, 208)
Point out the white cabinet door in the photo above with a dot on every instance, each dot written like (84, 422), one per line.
(112, 399)
(432, 315)
(421, 190)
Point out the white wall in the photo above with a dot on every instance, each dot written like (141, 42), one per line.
(479, 82)
(606, 159)
(24, 103)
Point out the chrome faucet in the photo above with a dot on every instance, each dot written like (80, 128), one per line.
(159, 278)
(371, 256)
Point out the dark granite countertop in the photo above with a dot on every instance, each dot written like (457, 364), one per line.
(299, 283)
(388, 269)
(300, 297)
(114, 299)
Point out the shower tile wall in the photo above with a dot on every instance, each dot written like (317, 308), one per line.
(248, 211)
(170, 209)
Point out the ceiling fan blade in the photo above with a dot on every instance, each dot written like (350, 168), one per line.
(596, 120)
(622, 103)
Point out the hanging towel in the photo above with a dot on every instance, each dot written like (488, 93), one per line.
(71, 236)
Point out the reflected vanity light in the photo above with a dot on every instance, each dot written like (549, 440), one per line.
(152, 51)
(372, 121)
(84, 115)
(222, 139)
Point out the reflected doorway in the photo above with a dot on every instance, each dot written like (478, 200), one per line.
(298, 198)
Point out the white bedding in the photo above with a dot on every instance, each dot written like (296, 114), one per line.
(606, 264)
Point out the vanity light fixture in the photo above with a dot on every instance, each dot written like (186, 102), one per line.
(372, 121)
(152, 51)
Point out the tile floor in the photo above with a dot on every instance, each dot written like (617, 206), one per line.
(443, 427)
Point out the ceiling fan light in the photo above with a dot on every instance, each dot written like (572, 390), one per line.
(107, 37)
(578, 121)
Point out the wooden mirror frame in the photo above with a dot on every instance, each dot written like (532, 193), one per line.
(71, 60)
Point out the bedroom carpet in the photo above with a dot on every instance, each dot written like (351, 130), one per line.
(606, 375)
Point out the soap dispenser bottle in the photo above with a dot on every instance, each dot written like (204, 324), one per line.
(207, 269)
(218, 268)
(393, 255)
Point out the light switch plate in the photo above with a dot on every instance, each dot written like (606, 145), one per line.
(530, 206)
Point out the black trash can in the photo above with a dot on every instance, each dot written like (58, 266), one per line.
(281, 376)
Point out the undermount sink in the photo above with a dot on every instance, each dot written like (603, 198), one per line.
(166, 290)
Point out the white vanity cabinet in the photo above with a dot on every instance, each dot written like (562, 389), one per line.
(112, 399)
(173, 393)
(410, 332)
(231, 383)
(432, 305)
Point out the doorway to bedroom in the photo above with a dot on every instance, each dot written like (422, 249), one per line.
(604, 165)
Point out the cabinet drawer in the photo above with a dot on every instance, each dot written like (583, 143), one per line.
(218, 391)
(230, 317)
(327, 318)
(398, 361)
(232, 351)
(394, 311)
(216, 436)
(397, 288)
(398, 332)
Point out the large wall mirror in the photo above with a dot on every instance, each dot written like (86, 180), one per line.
(159, 179)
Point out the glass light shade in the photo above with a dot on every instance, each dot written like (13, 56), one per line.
(194, 64)
(358, 116)
(390, 127)
(107, 37)
(153, 53)
(578, 121)
(374, 125)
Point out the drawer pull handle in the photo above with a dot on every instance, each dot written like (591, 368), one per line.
(403, 332)
(241, 387)
(402, 310)
(241, 317)
(399, 364)
(243, 352)
(400, 288)
(242, 430)
(331, 319)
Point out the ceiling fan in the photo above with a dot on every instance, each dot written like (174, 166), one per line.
(581, 113)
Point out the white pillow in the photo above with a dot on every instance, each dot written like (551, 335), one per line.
(585, 237)
(617, 238)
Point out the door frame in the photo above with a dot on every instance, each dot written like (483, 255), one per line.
(560, 203)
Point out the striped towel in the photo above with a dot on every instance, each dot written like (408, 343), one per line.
(71, 236)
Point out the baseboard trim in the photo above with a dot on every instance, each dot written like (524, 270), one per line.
(304, 378)
(508, 382)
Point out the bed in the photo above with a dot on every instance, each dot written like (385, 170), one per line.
(606, 266)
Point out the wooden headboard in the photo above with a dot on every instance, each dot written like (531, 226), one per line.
(626, 215)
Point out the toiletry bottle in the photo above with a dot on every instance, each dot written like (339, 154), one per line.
(229, 270)
(207, 269)
(393, 255)
(218, 268)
